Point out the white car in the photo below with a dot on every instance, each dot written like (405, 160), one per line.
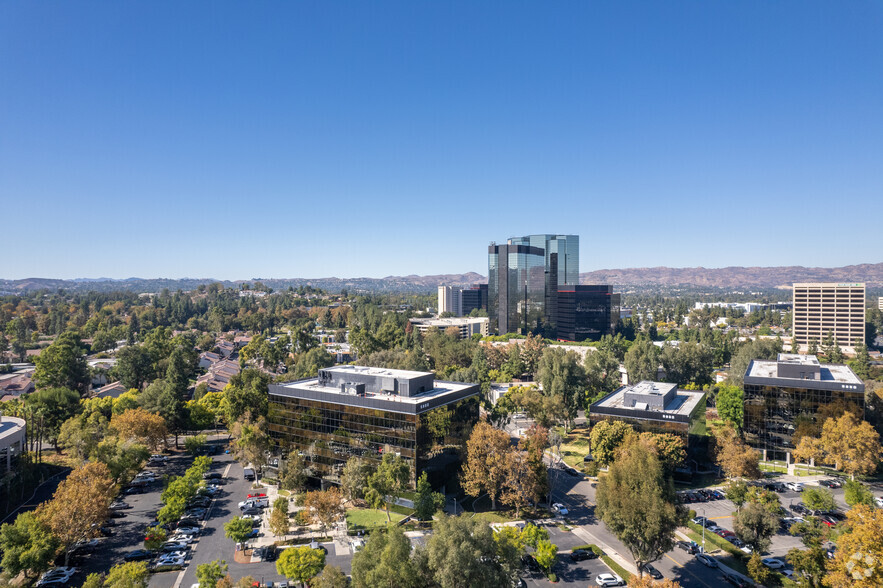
(560, 509)
(187, 531)
(794, 486)
(773, 563)
(157, 457)
(878, 501)
(59, 575)
(707, 560)
(358, 544)
(609, 580)
(183, 538)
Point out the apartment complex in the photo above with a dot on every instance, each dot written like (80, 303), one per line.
(363, 411)
(790, 397)
(823, 308)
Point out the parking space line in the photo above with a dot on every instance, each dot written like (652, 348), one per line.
(719, 518)
(680, 565)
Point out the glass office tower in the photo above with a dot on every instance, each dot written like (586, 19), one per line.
(791, 397)
(586, 312)
(523, 280)
(358, 411)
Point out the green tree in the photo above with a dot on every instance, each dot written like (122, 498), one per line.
(162, 399)
(385, 561)
(809, 563)
(546, 555)
(602, 374)
(758, 572)
(294, 472)
(562, 375)
(208, 574)
(300, 564)
(81, 434)
(637, 504)
(134, 367)
(737, 493)
(751, 350)
(642, 361)
(250, 440)
(279, 517)
(818, 499)
(122, 458)
(331, 577)
(731, 405)
(54, 406)
(27, 545)
(606, 438)
(688, 363)
(154, 538)
(861, 365)
(756, 523)
(427, 502)
(247, 392)
(133, 574)
(388, 482)
(462, 552)
(63, 365)
(194, 443)
(354, 478)
(532, 535)
(238, 529)
(857, 493)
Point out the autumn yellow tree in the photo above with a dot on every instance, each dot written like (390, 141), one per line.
(848, 443)
(325, 505)
(733, 455)
(521, 486)
(80, 504)
(487, 462)
(137, 423)
(859, 559)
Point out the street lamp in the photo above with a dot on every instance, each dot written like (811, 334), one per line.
(704, 523)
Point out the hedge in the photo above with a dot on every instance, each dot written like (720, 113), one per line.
(617, 569)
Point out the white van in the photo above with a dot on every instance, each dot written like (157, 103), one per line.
(255, 502)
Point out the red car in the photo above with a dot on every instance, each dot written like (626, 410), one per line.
(726, 534)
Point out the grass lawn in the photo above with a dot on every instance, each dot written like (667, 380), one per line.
(575, 445)
(368, 518)
(494, 517)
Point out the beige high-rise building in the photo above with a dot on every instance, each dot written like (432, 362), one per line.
(822, 308)
(449, 300)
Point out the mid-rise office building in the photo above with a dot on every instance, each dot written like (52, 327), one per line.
(467, 326)
(351, 411)
(587, 312)
(823, 308)
(656, 407)
(474, 298)
(449, 300)
(13, 443)
(524, 276)
(784, 398)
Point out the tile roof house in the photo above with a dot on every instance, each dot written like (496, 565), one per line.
(112, 390)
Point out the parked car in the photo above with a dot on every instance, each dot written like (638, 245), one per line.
(706, 560)
(251, 511)
(609, 580)
(799, 508)
(582, 554)
(773, 563)
(183, 538)
(185, 530)
(560, 509)
(701, 521)
(530, 563)
(690, 548)
(267, 553)
(212, 476)
(119, 505)
(59, 575)
(737, 581)
(652, 572)
(174, 546)
(138, 555)
(794, 486)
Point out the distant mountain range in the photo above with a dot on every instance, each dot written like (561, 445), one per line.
(728, 277)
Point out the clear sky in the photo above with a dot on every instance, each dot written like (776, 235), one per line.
(309, 139)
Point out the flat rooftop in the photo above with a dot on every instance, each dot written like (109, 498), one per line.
(828, 372)
(682, 403)
(416, 402)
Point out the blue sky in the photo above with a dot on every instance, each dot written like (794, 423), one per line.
(309, 139)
